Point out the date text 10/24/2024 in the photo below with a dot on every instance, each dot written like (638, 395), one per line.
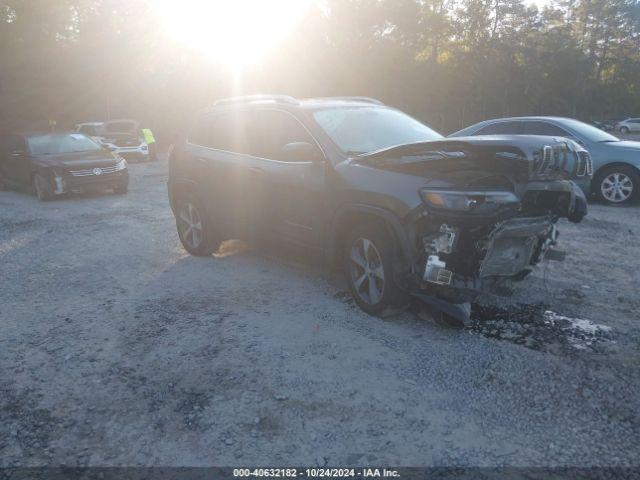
(316, 472)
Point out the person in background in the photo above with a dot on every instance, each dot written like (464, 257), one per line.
(151, 142)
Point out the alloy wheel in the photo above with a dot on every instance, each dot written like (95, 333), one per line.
(190, 225)
(367, 273)
(616, 187)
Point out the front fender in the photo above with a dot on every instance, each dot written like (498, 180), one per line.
(399, 230)
(174, 186)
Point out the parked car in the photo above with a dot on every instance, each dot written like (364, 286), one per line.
(401, 209)
(630, 125)
(52, 164)
(613, 122)
(121, 137)
(616, 163)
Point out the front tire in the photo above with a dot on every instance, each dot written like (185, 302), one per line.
(369, 267)
(42, 188)
(624, 129)
(195, 228)
(617, 185)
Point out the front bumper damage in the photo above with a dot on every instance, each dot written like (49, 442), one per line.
(458, 259)
(509, 253)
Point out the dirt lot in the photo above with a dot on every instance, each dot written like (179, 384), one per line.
(117, 348)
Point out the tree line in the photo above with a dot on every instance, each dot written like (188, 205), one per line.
(448, 62)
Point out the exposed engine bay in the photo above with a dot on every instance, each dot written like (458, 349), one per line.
(482, 258)
(489, 210)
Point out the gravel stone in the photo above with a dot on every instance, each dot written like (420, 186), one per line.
(117, 348)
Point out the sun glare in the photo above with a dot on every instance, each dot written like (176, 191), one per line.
(238, 32)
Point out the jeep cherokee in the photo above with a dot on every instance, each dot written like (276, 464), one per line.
(402, 210)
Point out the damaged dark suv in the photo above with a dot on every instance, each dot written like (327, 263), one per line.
(403, 211)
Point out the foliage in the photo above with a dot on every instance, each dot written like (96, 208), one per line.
(449, 62)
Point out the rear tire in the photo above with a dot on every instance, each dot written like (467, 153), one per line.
(195, 228)
(42, 188)
(617, 185)
(369, 259)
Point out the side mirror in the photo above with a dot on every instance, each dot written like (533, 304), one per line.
(302, 152)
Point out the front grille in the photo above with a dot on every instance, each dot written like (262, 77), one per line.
(94, 171)
(585, 164)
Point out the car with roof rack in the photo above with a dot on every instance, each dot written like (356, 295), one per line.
(401, 210)
(614, 163)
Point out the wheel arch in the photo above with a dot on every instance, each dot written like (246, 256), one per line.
(178, 187)
(347, 217)
(615, 163)
(37, 169)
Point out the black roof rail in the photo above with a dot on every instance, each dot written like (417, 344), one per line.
(256, 98)
(374, 101)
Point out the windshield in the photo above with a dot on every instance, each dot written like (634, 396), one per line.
(55, 143)
(589, 132)
(366, 129)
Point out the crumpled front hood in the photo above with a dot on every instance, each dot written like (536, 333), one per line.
(526, 145)
(521, 157)
(396, 175)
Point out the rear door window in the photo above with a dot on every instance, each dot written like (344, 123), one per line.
(544, 128)
(226, 131)
(501, 128)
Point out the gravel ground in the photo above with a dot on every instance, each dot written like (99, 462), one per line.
(117, 348)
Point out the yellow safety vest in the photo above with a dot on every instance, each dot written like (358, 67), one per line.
(148, 136)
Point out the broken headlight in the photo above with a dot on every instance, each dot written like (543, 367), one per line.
(462, 201)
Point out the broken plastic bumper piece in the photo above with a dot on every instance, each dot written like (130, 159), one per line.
(435, 271)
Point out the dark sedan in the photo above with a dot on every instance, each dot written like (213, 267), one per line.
(53, 164)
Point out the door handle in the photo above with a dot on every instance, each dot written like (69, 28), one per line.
(202, 160)
(256, 170)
